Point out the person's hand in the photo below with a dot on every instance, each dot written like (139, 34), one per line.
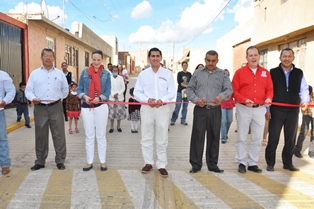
(2, 104)
(96, 100)
(158, 103)
(267, 102)
(304, 106)
(87, 99)
(152, 102)
(200, 102)
(116, 95)
(267, 116)
(249, 103)
(217, 100)
(36, 101)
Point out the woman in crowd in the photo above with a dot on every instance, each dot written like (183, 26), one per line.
(226, 116)
(93, 88)
(116, 111)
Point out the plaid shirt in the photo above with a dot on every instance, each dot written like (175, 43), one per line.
(308, 111)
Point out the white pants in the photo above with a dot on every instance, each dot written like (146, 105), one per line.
(134, 125)
(95, 122)
(246, 117)
(154, 123)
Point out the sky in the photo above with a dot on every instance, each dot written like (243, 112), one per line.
(142, 24)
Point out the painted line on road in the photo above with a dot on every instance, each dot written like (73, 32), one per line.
(10, 183)
(140, 188)
(225, 192)
(269, 181)
(194, 188)
(58, 191)
(85, 192)
(31, 191)
(260, 195)
(112, 191)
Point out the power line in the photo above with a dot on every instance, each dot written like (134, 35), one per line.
(209, 23)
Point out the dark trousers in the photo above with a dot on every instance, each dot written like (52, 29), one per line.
(23, 109)
(289, 121)
(209, 121)
(64, 106)
(124, 93)
(49, 117)
(307, 124)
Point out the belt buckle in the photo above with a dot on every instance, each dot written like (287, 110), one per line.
(208, 107)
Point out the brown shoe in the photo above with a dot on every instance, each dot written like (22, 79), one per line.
(147, 168)
(163, 172)
(6, 170)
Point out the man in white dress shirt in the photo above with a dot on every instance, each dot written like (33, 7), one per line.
(46, 87)
(155, 85)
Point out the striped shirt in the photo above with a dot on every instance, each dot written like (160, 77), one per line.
(209, 85)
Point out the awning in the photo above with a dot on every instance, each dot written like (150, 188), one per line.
(185, 58)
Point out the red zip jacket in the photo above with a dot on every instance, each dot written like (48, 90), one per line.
(256, 87)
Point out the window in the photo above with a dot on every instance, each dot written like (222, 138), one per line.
(86, 59)
(50, 43)
(299, 48)
(263, 59)
(68, 54)
(75, 57)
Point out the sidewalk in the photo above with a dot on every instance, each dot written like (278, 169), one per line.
(124, 186)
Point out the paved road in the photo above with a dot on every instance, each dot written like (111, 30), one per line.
(123, 185)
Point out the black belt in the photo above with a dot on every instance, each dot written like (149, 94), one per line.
(254, 105)
(211, 106)
(49, 104)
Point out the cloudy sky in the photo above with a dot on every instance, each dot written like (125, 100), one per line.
(142, 24)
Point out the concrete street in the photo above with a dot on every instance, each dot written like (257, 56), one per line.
(124, 186)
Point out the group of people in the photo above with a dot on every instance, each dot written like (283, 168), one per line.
(255, 90)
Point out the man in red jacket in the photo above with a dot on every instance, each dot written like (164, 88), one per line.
(253, 91)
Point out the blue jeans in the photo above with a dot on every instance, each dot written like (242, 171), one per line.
(226, 120)
(5, 160)
(176, 111)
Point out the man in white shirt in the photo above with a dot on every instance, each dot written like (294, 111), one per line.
(7, 94)
(155, 85)
(46, 88)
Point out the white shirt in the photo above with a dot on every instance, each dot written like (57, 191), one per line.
(125, 73)
(47, 85)
(117, 86)
(159, 85)
(7, 88)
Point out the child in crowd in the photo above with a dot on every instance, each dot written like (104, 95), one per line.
(134, 113)
(73, 107)
(22, 105)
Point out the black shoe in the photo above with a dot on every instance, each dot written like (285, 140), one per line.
(290, 168)
(119, 130)
(163, 172)
(66, 119)
(172, 123)
(87, 168)
(185, 123)
(60, 166)
(242, 168)
(37, 167)
(103, 168)
(136, 132)
(18, 120)
(216, 170)
(193, 170)
(311, 154)
(110, 130)
(254, 168)
(270, 168)
(298, 154)
(223, 141)
(28, 126)
(147, 168)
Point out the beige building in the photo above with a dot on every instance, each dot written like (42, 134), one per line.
(277, 24)
(74, 48)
